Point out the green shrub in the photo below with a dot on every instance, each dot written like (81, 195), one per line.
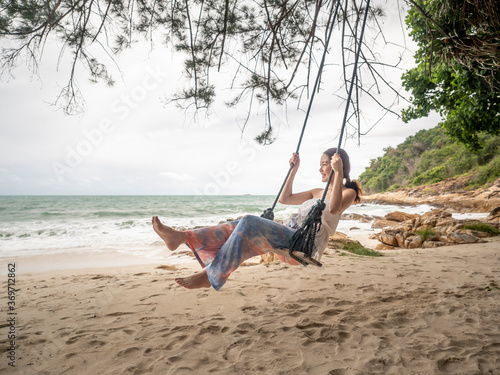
(487, 173)
(360, 250)
(425, 233)
(483, 227)
(394, 187)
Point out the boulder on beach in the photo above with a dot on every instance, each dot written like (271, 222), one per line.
(433, 229)
(393, 218)
(494, 215)
(400, 216)
(383, 246)
(363, 218)
(339, 240)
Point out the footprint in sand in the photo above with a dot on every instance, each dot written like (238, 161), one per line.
(212, 329)
(119, 313)
(343, 303)
(174, 359)
(96, 343)
(307, 323)
(326, 335)
(248, 308)
(451, 365)
(128, 352)
(74, 339)
(175, 341)
(99, 277)
(332, 312)
(151, 296)
(338, 371)
(243, 328)
(234, 350)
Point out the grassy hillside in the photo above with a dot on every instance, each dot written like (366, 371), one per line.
(430, 156)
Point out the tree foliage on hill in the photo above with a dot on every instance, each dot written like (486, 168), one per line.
(458, 72)
(275, 45)
(430, 156)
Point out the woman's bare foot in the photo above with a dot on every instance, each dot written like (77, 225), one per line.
(173, 238)
(198, 280)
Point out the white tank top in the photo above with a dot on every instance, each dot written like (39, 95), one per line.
(329, 224)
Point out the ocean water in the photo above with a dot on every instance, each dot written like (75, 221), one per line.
(46, 225)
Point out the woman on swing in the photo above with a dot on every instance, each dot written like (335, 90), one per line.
(221, 249)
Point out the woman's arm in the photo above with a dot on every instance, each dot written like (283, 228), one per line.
(287, 196)
(341, 198)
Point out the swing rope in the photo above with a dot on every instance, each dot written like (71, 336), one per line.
(303, 239)
(269, 212)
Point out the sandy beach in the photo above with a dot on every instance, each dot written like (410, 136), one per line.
(424, 311)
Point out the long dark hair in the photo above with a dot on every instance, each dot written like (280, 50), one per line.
(346, 169)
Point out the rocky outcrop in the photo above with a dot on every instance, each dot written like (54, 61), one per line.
(400, 216)
(392, 218)
(383, 223)
(432, 229)
(494, 215)
(339, 240)
(363, 218)
(450, 194)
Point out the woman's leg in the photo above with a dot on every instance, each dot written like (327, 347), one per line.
(252, 236)
(206, 242)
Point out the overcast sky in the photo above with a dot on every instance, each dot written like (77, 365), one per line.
(128, 142)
